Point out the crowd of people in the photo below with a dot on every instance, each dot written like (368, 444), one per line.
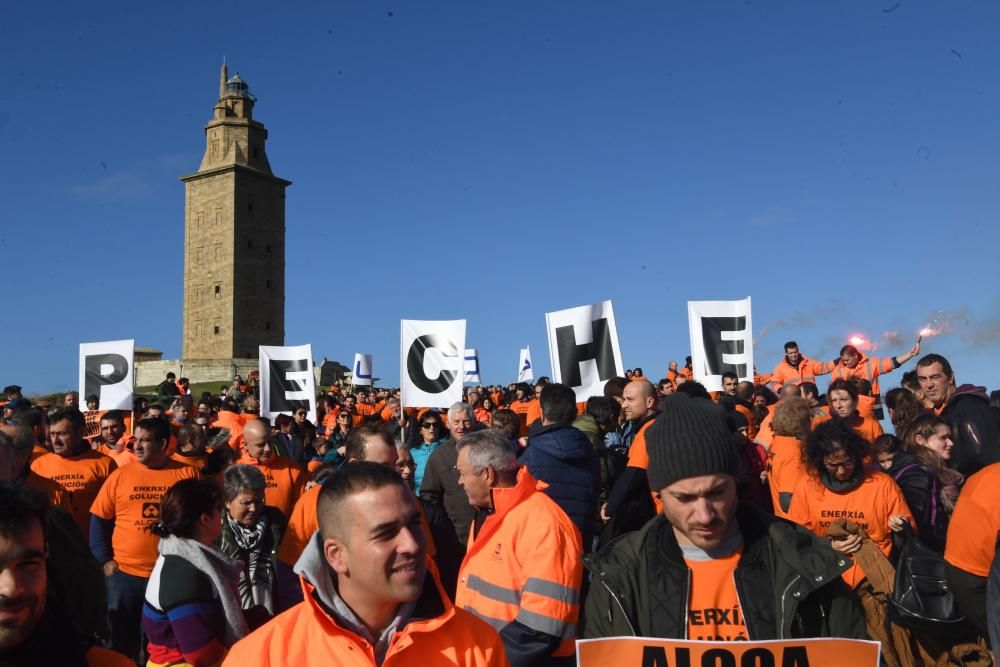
(191, 530)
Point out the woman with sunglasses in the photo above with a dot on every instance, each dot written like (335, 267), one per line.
(432, 436)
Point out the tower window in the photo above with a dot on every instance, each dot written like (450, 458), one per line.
(218, 291)
(216, 331)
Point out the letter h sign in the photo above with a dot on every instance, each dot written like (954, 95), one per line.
(572, 354)
(584, 366)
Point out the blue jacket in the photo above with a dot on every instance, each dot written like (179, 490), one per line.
(562, 457)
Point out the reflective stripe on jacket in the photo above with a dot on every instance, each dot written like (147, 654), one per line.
(525, 565)
(436, 635)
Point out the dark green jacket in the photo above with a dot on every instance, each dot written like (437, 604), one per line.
(788, 583)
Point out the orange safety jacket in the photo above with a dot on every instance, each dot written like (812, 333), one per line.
(806, 371)
(525, 564)
(437, 634)
(868, 368)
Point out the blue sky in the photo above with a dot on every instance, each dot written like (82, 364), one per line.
(838, 162)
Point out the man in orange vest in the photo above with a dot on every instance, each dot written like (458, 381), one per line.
(796, 368)
(370, 596)
(522, 571)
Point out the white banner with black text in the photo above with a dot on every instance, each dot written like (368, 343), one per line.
(721, 341)
(431, 362)
(287, 381)
(107, 371)
(362, 373)
(583, 347)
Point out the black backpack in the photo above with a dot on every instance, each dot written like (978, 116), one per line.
(921, 599)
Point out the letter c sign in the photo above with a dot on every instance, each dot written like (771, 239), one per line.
(415, 363)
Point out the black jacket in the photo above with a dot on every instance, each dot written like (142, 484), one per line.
(787, 581)
(563, 457)
(917, 483)
(975, 429)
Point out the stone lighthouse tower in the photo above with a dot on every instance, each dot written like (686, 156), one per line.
(234, 236)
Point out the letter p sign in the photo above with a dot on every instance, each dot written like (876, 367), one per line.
(106, 372)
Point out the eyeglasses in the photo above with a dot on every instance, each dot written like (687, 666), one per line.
(431, 425)
(837, 465)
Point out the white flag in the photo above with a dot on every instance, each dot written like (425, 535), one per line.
(287, 381)
(362, 369)
(107, 371)
(583, 347)
(721, 341)
(472, 365)
(524, 370)
(431, 362)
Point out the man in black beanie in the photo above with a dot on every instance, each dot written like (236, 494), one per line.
(709, 568)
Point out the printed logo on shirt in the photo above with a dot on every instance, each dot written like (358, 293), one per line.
(718, 624)
(829, 516)
(496, 554)
(151, 510)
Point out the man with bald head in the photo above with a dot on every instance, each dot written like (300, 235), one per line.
(639, 408)
(285, 479)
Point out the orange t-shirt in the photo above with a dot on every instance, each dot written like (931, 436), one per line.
(638, 457)
(869, 505)
(37, 451)
(131, 497)
(974, 524)
(868, 428)
(234, 422)
(714, 612)
(285, 481)
(528, 411)
(57, 495)
(784, 471)
(196, 462)
(121, 457)
(302, 523)
(80, 476)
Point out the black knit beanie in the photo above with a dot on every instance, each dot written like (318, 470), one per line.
(689, 439)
